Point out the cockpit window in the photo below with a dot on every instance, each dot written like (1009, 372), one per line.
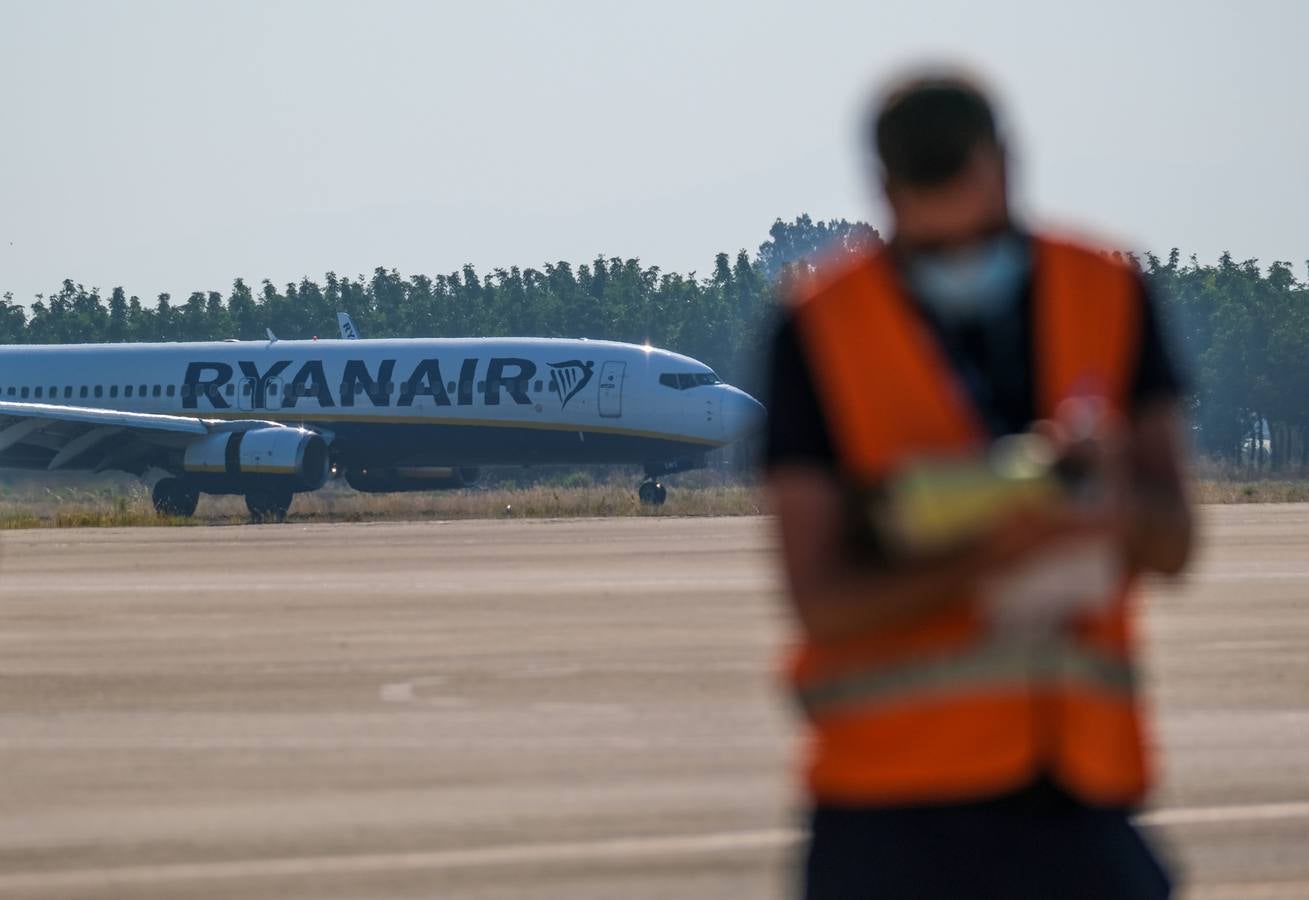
(681, 381)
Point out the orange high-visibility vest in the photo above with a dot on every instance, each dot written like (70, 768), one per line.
(941, 709)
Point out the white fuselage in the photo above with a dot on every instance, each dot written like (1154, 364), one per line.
(461, 401)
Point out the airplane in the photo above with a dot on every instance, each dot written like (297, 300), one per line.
(270, 419)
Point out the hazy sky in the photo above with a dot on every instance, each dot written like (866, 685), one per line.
(173, 146)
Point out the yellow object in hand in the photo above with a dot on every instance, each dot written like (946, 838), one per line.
(933, 506)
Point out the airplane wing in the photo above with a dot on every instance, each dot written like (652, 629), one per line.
(49, 436)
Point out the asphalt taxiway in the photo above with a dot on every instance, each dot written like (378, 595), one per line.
(580, 709)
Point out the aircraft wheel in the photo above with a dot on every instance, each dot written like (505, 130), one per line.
(652, 493)
(268, 505)
(174, 497)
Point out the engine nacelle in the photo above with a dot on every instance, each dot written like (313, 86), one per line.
(402, 479)
(296, 457)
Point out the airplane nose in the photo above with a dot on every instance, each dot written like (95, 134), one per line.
(742, 414)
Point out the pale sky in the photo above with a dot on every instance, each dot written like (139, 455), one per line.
(173, 146)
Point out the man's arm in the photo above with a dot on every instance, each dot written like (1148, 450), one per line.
(836, 596)
(1158, 528)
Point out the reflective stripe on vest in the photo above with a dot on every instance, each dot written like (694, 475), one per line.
(994, 665)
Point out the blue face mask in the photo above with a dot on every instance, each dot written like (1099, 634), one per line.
(970, 283)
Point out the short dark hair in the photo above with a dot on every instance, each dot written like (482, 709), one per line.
(925, 129)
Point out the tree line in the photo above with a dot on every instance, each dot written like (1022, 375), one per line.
(1240, 329)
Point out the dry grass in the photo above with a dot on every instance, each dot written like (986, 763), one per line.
(47, 502)
(1209, 490)
(123, 505)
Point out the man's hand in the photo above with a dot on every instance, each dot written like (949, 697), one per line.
(1133, 472)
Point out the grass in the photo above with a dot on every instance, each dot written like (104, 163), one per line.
(107, 502)
(1209, 490)
(35, 504)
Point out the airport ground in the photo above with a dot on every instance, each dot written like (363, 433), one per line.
(561, 709)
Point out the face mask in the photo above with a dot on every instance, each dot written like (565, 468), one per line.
(973, 282)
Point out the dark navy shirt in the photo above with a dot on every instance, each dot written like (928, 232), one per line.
(993, 358)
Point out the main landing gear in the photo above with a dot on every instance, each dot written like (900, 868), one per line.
(174, 497)
(652, 493)
(178, 497)
(268, 504)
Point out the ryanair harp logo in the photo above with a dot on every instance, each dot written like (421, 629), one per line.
(569, 378)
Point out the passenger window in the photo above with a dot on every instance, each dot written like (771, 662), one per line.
(54, 393)
(172, 389)
(359, 388)
(99, 390)
(450, 388)
(142, 391)
(24, 393)
(155, 392)
(186, 391)
(245, 388)
(83, 392)
(127, 391)
(68, 392)
(38, 393)
(11, 392)
(554, 386)
(230, 390)
(539, 385)
(481, 387)
(113, 390)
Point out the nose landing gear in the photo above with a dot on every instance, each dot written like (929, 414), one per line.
(652, 493)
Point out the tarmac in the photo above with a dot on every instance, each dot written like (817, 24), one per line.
(555, 709)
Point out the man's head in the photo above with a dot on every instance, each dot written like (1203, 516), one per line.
(942, 161)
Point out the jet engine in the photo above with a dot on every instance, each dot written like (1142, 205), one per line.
(294, 458)
(401, 479)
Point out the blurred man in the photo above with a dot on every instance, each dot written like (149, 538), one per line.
(971, 696)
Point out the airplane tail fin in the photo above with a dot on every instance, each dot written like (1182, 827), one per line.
(348, 330)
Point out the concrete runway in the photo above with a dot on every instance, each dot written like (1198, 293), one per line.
(579, 709)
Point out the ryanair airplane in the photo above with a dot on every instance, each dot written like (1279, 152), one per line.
(268, 419)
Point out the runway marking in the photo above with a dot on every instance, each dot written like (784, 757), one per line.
(1253, 890)
(509, 854)
(556, 852)
(1207, 815)
(1248, 645)
(399, 692)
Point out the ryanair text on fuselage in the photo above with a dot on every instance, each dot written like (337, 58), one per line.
(505, 380)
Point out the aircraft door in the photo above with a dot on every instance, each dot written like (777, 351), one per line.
(272, 393)
(611, 389)
(245, 392)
